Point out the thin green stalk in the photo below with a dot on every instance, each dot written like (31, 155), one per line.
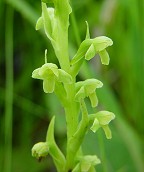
(62, 51)
(9, 90)
(102, 152)
(71, 112)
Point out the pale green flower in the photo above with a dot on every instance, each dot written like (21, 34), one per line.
(102, 119)
(87, 164)
(50, 74)
(90, 47)
(88, 88)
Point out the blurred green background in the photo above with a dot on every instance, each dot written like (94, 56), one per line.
(25, 110)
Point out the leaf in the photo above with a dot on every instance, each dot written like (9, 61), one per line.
(54, 151)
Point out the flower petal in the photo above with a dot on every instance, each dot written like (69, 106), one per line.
(35, 74)
(95, 126)
(104, 57)
(93, 99)
(90, 52)
(107, 131)
(49, 85)
(88, 161)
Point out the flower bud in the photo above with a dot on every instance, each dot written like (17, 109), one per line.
(40, 150)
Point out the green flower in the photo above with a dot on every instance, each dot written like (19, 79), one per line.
(102, 119)
(40, 150)
(90, 47)
(87, 164)
(88, 88)
(50, 74)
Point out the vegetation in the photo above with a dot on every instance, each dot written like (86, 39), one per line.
(122, 93)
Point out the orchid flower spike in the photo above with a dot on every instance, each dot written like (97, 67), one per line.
(102, 119)
(88, 88)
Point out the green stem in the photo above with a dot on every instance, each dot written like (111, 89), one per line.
(61, 50)
(9, 89)
(75, 141)
(71, 111)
